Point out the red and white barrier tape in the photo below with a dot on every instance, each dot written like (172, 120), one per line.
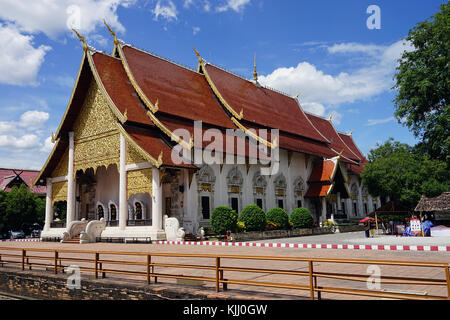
(311, 245)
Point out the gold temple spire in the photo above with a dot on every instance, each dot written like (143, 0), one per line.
(255, 73)
(81, 39)
(116, 42)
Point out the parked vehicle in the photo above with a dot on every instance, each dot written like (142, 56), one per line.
(19, 234)
(36, 233)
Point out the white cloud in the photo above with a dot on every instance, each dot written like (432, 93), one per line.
(24, 142)
(33, 119)
(23, 134)
(314, 107)
(54, 17)
(319, 89)
(235, 5)
(48, 145)
(19, 59)
(373, 122)
(167, 10)
(195, 30)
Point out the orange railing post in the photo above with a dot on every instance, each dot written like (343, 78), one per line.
(23, 259)
(447, 277)
(149, 261)
(311, 280)
(96, 265)
(56, 262)
(217, 273)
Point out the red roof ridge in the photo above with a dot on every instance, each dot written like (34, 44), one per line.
(337, 133)
(155, 55)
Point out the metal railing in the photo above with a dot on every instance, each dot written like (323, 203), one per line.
(151, 267)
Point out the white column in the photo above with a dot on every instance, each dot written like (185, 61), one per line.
(123, 203)
(156, 200)
(70, 183)
(48, 205)
(324, 209)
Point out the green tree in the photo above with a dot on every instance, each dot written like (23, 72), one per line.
(423, 85)
(21, 206)
(398, 171)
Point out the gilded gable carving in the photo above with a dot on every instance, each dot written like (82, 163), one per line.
(62, 167)
(59, 191)
(97, 139)
(133, 155)
(139, 181)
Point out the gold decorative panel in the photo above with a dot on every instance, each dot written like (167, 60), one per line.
(102, 150)
(259, 190)
(235, 189)
(133, 155)
(97, 139)
(206, 187)
(280, 192)
(59, 191)
(62, 167)
(139, 181)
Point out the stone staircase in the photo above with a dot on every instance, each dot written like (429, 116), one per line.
(74, 240)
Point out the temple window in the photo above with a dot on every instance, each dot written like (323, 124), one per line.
(100, 211)
(259, 189)
(113, 211)
(234, 182)
(205, 187)
(206, 208)
(280, 190)
(299, 188)
(138, 210)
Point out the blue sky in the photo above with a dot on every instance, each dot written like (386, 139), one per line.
(322, 49)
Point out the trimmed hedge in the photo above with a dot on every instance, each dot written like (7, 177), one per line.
(301, 218)
(253, 218)
(278, 216)
(223, 219)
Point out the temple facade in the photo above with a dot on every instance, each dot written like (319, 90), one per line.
(135, 144)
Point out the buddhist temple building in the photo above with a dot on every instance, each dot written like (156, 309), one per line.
(126, 150)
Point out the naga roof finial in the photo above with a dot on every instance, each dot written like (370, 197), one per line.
(297, 95)
(200, 60)
(116, 42)
(81, 39)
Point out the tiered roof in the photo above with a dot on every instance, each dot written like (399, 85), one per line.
(151, 97)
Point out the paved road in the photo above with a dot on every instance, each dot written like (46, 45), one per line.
(359, 238)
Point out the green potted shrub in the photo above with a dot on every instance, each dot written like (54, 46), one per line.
(223, 219)
(301, 218)
(253, 218)
(279, 217)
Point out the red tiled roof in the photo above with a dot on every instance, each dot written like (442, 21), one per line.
(180, 92)
(322, 171)
(327, 129)
(348, 139)
(232, 142)
(153, 145)
(118, 87)
(8, 175)
(318, 190)
(262, 106)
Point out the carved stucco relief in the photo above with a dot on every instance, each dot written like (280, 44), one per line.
(97, 139)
